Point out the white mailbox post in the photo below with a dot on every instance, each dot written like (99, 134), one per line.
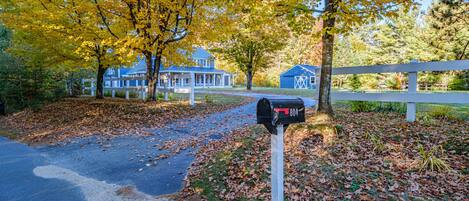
(276, 115)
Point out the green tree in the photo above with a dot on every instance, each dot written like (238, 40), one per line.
(449, 21)
(24, 80)
(155, 29)
(254, 36)
(80, 39)
(340, 16)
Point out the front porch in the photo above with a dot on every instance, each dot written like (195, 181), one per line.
(202, 80)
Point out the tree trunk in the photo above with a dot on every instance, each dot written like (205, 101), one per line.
(149, 75)
(156, 75)
(100, 81)
(249, 78)
(324, 104)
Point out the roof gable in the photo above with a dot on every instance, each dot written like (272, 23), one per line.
(300, 69)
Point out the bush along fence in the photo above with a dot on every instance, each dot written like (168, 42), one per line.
(412, 96)
(138, 85)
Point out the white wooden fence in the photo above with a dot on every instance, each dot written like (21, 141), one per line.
(411, 97)
(141, 89)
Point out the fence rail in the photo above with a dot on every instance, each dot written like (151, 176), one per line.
(141, 90)
(412, 96)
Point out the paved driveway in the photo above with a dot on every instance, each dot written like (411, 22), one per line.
(123, 168)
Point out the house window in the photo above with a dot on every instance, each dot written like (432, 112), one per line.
(110, 71)
(312, 80)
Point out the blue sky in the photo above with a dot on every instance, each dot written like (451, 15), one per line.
(425, 4)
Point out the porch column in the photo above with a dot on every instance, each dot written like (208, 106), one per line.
(181, 83)
(143, 90)
(158, 81)
(127, 84)
(93, 89)
(113, 91)
(204, 79)
(223, 80)
(170, 80)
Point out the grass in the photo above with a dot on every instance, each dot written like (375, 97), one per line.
(430, 161)
(459, 111)
(448, 111)
(279, 91)
(8, 134)
(217, 99)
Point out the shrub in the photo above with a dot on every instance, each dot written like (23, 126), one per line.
(160, 96)
(391, 107)
(121, 94)
(430, 161)
(208, 99)
(444, 112)
(362, 106)
(460, 81)
(425, 119)
(371, 106)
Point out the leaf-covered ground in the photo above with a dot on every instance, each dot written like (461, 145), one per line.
(358, 156)
(79, 117)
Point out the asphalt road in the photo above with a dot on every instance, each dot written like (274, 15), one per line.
(105, 169)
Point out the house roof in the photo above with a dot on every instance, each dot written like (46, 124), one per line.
(200, 53)
(302, 67)
(191, 69)
(308, 67)
(141, 68)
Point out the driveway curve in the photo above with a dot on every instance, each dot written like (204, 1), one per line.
(122, 168)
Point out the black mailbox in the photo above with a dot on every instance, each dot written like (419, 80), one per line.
(282, 111)
(2, 108)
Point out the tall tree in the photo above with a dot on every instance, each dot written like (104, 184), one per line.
(253, 37)
(153, 28)
(340, 16)
(76, 29)
(449, 20)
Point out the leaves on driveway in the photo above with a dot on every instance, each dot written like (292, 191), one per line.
(80, 117)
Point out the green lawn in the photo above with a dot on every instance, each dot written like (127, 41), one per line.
(291, 92)
(459, 111)
(220, 99)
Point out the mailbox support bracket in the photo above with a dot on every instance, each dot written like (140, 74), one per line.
(273, 129)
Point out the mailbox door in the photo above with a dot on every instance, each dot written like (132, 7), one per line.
(287, 111)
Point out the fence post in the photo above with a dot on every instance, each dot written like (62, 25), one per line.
(192, 95)
(412, 89)
(113, 91)
(143, 90)
(92, 89)
(127, 82)
(165, 91)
